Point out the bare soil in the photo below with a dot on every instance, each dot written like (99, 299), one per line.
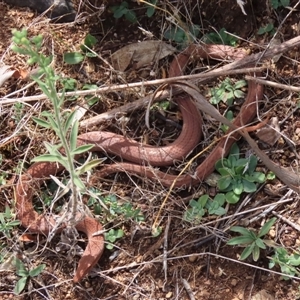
(199, 264)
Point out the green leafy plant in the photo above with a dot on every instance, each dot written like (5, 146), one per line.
(25, 274)
(112, 235)
(269, 28)
(3, 174)
(227, 91)
(150, 8)
(288, 263)
(7, 222)
(279, 3)
(220, 37)
(123, 10)
(182, 36)
(73, 58)
(252, 242)
(115, 208)
(65, 126)
(228, 115)
(18, 112)
(238, 175)
(205, 205)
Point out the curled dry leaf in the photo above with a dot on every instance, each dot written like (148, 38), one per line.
(140, 54)
(6, 72)
(270, 134)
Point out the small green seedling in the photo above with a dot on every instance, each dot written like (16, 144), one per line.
(269, 28)
(73, 58)
(150, 8)
(220, 37)
(252, 242)
(279, 3)
(205, 205)
(238, 175)
(25, 275)
(123, 10)
(7, 222)
(3, 174)
(181, 36)
(111, 236)
(115, 208)
(227, 91)
(229, 116)
(288, 262)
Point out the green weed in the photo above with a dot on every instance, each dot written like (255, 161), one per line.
(238, 175)
(205, 205)
(252, 242)
(227, 91)
(288, 263)
(220, 37)
(25, 274)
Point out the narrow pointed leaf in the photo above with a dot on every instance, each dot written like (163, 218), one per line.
(70, 120)
(240, 230)
(240, 240)
(73, 135)
(20, 285)
(36, 271)
(82, 149)
(79, 183)
(255, 253)
(90, 165)
(41, 122)
(247, 251)
(259, 242)
(266, 228)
